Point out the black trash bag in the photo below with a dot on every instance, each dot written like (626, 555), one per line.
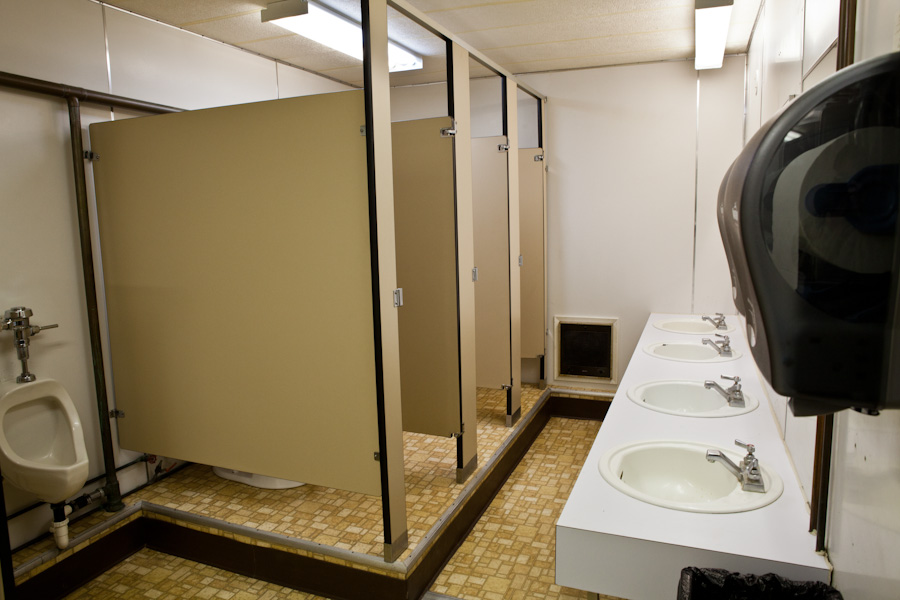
(720, 584)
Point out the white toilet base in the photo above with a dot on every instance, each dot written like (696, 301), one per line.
(261, 481)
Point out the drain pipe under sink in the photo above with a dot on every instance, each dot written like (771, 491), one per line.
(61, 511)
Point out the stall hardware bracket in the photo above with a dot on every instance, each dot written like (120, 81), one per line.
(448, 131)
(538, 157)
(115, 413)
(503, 148)
(398, 297)
(90, 155)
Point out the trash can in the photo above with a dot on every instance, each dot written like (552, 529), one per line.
(720, 584)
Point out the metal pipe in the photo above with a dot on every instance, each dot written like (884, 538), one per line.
(113, 500)
(49, 88)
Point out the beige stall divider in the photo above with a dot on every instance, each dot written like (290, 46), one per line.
(425, 235)
(531, 242)
(237, 267)
(492, 312)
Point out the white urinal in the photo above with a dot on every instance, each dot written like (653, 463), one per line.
(42, 447)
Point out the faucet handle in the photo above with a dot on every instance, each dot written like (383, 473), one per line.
(750, 448)
(736, 378)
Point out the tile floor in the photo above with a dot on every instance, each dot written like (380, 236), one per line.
(345, 520)
(507, 556)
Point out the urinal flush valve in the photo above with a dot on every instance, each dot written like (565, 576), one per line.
(17, 319)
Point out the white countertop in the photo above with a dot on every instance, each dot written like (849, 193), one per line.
(610, 543)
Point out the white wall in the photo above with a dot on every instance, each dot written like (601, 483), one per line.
(863, 516)
(622, 186)
(65, 41)
(863, 532)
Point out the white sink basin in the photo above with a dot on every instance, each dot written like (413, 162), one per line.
(691, 325)
(676, 475)
(688, 352)
(687, 398)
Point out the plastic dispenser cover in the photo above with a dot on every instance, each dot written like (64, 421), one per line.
(808, 217)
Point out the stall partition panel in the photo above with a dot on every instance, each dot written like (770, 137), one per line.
(531, 244)
(425, 218)
(236, 258)
(490, 205)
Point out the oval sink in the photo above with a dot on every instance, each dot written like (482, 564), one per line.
(688, 352)
(676, 475)
(691, 325)
(687, 398)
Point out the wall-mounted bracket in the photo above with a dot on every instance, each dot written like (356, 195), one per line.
(475, 274)
(503, 148)
(398, 297)
(90, 155)
(538, 157)
(448, 131)
(115, 413)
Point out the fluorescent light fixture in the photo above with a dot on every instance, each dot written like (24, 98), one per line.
(711, 20)
(332, 29)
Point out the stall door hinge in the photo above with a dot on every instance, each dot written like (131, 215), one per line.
(377, 456)
(362, 130)
(475, 274)
(116, 414)
(538, 157)
(398, 297)
(503, 148)
(448, 131)
(90, 155)
(521, 260)
(459, 434)
(506, 387)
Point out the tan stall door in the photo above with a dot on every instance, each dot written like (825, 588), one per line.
(491, 215)
(236, 259)
(425, 217)
(531, 244)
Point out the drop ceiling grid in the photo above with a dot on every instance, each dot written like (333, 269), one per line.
(522, 36)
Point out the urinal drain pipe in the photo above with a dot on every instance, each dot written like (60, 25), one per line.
(61, 511)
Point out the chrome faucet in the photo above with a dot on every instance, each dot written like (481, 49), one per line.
(17, 320)
(747, 473)
(733, 395)
(718, 322)
(724, 349)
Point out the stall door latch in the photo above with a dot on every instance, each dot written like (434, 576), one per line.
(398, 297)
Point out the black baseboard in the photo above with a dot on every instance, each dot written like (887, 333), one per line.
(70, 574)
(291, 570)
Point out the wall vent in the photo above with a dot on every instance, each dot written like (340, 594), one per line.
(586, 349)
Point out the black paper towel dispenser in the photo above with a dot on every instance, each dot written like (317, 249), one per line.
(808, 217)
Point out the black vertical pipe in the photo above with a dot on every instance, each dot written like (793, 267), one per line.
(113, 496)
(818, 519)
(6, 564)
(376, 280)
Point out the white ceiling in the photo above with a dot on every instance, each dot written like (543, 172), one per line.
(522, 36)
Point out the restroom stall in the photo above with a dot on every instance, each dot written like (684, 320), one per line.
(532, 243)
(237, 262)
(433, 349)
(495, 166)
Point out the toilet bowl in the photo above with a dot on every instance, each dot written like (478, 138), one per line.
(261, 481)
(42, 447)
